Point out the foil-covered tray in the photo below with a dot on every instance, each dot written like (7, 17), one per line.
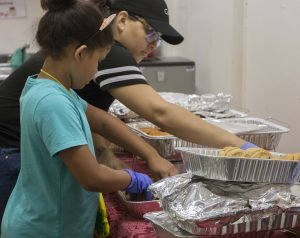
(205, 162)
(207, 207)
(267, 137)
(165, 227)
(138, 209)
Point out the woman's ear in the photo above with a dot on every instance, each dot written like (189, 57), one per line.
(80, 52)
(121, 20)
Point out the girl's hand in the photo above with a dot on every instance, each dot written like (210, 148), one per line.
(161, 167)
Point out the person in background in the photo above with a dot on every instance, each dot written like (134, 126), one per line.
(56, 194)
(139, 27)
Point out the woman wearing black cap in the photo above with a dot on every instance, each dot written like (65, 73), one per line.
(139, 28)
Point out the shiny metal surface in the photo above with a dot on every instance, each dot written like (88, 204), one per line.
(205, 162)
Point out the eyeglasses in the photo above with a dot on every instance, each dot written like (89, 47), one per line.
(151, 34)
(106, 22)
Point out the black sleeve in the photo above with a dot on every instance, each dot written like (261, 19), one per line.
(10, 92)
(13, 85)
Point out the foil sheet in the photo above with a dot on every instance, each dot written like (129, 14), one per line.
(207, 207)
(138, 209)
(205, 162)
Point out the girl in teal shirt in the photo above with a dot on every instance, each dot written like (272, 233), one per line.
(56, 194)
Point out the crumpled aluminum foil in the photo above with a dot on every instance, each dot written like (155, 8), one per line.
(210, 203)
(218, 103)
(206, 103)
(121, 111)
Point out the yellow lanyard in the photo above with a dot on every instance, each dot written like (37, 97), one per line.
(55, 79)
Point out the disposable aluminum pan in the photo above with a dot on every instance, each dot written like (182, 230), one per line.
(274, 222)
(267, 137)
(205, 162)
(165, 227)
(138, 209)
(165, 145)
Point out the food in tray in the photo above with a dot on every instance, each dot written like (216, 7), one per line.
(249, 153)
(295, 156)
(154, 131)
(256, 153)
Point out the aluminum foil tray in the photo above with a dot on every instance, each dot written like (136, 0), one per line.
(275, 222)
(135, 126)
(267, 137)
(165, 145)
(165, 227)
(138, 209)
(205, 162)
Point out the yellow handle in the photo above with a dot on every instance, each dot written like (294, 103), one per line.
(105, 231)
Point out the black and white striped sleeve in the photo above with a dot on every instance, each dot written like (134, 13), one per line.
(119, 76)
(118, 69)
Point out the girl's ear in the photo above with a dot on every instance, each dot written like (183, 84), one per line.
(121, 20)
(80, 52)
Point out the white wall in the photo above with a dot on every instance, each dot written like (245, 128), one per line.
(16, 32)
(249, 49)
(272, 72)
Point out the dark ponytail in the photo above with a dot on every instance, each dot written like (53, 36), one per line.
(56, 4)
(70, 22)
(102, 5)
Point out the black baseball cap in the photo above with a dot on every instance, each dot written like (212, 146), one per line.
(155, 12)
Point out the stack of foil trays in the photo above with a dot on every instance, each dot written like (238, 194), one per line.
(203, 207)
(206, 105)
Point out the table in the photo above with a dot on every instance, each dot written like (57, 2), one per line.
(123, 225)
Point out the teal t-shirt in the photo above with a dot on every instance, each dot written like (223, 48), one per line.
(47, 201)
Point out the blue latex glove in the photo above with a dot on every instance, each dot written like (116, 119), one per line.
(248, 145)
(139, 183)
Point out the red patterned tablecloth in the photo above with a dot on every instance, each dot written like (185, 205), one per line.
(123, 225)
